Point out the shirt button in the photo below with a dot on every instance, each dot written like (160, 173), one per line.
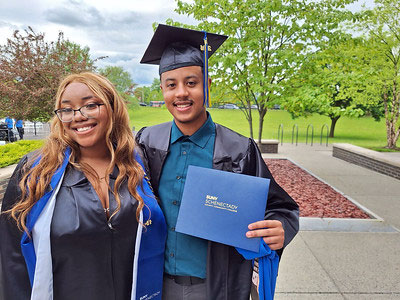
(173, 228)
(172, 255)
(175, 202)
(178, 177)
(184, 152)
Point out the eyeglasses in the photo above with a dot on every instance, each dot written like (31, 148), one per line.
(88, 111)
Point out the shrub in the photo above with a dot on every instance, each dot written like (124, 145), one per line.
(11, 153)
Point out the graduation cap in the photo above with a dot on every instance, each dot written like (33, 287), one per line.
(174, 47)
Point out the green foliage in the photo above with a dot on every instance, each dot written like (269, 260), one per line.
(123, 82)
(11, 153)
(149, 93)
(121, 79)
(381, 61)
(31, 69)
(268, 41)
(331, 82)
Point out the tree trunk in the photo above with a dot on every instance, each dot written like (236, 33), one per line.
(250, 120)
(262, 112)
(333, 124)
(392, 135)
(392, 116)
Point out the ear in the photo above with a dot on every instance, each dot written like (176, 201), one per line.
(161, 82)
(209, 81)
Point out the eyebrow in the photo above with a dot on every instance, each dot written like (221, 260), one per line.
(187, 77)
(69, 101)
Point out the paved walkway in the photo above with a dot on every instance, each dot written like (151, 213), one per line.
(344, 264)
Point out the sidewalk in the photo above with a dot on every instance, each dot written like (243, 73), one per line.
(344, 264)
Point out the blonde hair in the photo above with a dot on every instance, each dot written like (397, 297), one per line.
(119, 141)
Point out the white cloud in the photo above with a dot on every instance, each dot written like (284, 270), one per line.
(119, 29)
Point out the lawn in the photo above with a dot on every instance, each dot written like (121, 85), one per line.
(364, 132)
(11, 153)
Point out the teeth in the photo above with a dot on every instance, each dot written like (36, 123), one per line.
(83, 128)
(182, 105)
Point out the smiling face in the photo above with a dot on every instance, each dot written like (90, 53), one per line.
(183, 95)
(89, 134)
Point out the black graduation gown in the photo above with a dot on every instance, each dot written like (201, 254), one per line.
(92, 257)
(228, 273)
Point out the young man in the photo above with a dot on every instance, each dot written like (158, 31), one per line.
(10, 126)
(195, 268)
(19, 124)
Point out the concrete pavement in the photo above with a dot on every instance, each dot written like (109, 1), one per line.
(349, 262)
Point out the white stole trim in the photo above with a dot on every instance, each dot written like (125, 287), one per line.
(136, 256)
(42, 288)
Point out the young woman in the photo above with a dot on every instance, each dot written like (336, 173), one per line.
(79, 219)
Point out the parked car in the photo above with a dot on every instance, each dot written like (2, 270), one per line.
(156, 103)
(4, 133)
(142, 104)
(228, 106)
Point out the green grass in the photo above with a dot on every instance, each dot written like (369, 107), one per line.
(363, 132)
(11, 153)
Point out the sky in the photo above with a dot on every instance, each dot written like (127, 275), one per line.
(119, 29)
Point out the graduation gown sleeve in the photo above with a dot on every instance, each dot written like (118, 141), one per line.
(14, 280)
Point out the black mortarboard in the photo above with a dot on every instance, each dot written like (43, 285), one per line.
(167, 47)
(174, 47)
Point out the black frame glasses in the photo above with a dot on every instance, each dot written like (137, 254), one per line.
(89, 111)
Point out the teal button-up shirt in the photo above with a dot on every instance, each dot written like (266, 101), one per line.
(184, 255)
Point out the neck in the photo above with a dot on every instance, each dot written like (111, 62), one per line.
(88, 155)
(189, 128)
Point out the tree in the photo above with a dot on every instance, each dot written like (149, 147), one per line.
(31, 69)
(382, 30)
(121, 79)
(268, 41)
(155, 93)
(330, 82)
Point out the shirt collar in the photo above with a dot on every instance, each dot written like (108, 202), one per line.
(200, 137)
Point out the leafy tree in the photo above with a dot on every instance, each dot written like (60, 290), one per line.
(268, 41)
(382, 30)
(31, 69)
(330, 82)
(155, 93)
(155, 85)
(142, 93)
(121, 79)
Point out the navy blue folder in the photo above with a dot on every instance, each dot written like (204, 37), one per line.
(218, 206)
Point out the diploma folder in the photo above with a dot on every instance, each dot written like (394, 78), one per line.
(218, 206)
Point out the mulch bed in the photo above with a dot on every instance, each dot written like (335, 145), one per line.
(315, 198)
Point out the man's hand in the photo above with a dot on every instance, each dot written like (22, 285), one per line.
(270, 230)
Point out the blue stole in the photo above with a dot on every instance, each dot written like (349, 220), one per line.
(152, 245)
(27, 248)
(268, 262)
(149, 256)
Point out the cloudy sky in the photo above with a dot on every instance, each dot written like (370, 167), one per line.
(119, 29)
